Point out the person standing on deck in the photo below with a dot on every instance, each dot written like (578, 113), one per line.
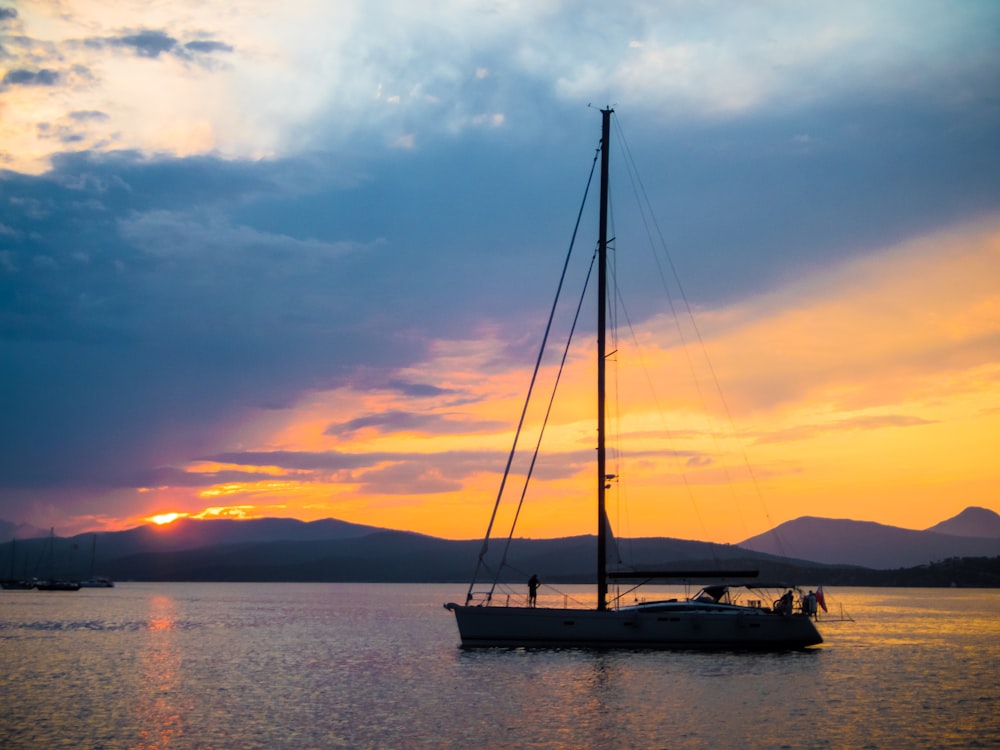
(532, 590)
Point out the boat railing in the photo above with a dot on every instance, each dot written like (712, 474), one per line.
(494, 599)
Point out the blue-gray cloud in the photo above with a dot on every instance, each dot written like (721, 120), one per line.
(403, 421)
(207, 46)
(153, 43)
(418, 390)
(146, 43)
(23, 77)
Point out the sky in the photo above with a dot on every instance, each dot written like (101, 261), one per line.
(295, 259)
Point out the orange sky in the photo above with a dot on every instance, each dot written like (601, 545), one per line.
(867, 390)
(210, 185)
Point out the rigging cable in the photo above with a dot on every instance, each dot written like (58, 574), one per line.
(545, 420)
(531, 386)
(645, 204)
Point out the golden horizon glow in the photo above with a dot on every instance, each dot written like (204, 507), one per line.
(867, 391)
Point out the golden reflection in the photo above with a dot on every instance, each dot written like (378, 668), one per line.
(158, 697)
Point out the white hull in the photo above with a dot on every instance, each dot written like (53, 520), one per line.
(664, 626)
(97, 583)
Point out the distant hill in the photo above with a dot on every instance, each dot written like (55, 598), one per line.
(978, 522)
(874, 545)
(331, 550)
(190, 533)
(10, 530)
(806, 550)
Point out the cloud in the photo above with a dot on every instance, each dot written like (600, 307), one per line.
(152, 43)
(401, 421)
(207, 46)
(169, 476)
(407, 78)
(407, 479)
(145, 43)
(21, 77)
(418, 390)
(376, 473)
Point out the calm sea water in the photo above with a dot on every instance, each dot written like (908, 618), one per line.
(378, 666)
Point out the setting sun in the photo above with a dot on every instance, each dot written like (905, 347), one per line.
(166, 518)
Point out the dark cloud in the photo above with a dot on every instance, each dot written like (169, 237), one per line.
(755, 201)
(22, 77)
(305, 460)
(152, 43)
(124, 316)
(146, 43)
(393, 421)
(7, 13)
(418, 390)
(402, 421)
(207, 47)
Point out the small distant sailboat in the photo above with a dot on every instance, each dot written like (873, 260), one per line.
(718, 616)
(12, 583)
(92, 581)
(52, 583)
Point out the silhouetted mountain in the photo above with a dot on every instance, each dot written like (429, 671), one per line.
(282, 550)
(867, 544)
(811, 550)
(10, 530)
(191, 533)
(81, 556)
(978, 522)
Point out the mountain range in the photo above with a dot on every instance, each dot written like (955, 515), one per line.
(284, 549)
(975, 532)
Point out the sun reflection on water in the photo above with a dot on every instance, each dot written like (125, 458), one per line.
(159, 707)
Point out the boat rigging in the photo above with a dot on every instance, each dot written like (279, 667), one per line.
(716, 617)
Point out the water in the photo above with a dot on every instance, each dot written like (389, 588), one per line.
(230, 666)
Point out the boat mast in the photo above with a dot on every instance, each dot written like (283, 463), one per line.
(602, 293)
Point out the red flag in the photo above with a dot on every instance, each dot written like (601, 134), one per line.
(820, 599)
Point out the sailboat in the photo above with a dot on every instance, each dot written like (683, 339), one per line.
(12, 582)
(719, 616)
(52, 583)
(95, 582)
